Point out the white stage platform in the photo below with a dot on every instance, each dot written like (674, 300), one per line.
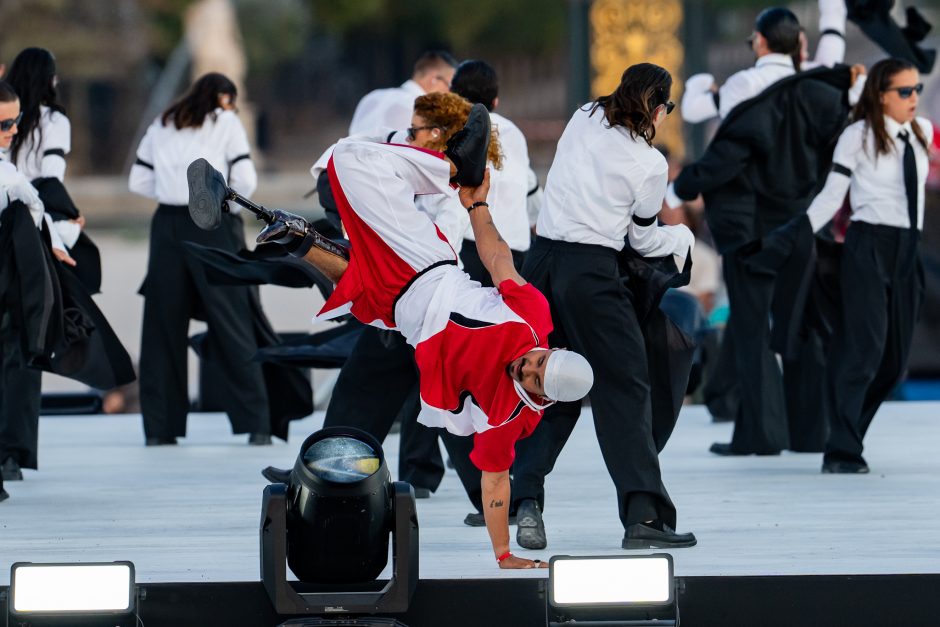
(190, 513)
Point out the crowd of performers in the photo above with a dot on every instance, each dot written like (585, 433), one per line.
(485, 309)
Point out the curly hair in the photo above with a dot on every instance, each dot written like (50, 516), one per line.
(643, 87)
(449, 112)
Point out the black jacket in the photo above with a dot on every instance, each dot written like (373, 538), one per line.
(59, 205)
(769, 157)
(874, 19)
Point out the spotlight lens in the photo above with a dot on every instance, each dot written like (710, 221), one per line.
(341, 459)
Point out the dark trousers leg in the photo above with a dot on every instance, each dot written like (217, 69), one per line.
(19, 401)
(458, 449)
(761, 425)
(805, 384)
(373, 384)
(419, 456)
(881, 299)
(169, 293)
(536, 454)
(377, 383)
(721, 392)
(606, 333)
(231, 340)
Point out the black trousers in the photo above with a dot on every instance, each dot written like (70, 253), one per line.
(20, 391)
(378, 383)
(760, 425)
(593, 315)
(882, 295)
(176, 289)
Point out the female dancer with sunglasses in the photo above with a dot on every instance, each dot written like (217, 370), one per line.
(882, 160)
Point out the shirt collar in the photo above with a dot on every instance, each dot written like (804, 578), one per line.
(893, 127)
(775, 58)
(413, 87)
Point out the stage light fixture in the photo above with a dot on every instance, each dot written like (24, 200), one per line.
(612, 591)
(72, 594)
(332, 524)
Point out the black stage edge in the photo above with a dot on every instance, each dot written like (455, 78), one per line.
(785, 601)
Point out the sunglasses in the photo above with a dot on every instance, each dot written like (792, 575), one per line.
(413, 130)
(906, 92)
(6, 125)
(670, 105)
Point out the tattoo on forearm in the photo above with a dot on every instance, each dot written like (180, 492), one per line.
(496, 503)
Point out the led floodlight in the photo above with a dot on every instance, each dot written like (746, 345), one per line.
(72, 594)
(613, 591)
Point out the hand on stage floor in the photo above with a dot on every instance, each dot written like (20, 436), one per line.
(515, 562)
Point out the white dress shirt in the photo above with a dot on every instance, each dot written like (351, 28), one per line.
(43, 153)
(600, 179)
(386, 108)
(875, 183)
(698, 101)
(165, 153)
(509, 187)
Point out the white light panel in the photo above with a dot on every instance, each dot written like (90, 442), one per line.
(72, 588)
(585, 581)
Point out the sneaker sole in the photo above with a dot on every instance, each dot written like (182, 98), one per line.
(530, 534)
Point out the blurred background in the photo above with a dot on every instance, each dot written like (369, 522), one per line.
(302, 65)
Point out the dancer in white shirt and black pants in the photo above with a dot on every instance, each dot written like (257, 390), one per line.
(202, 123)
(606, 183)
(882, 160)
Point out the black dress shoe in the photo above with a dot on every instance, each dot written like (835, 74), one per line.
(421, 493)
(160, 441)
(10, 470)
(276, 475)
(655, 536)
(837, 467)
(4, 495)
(476, 519)
(724, 449)
(530, 531)
(259, 439)
(468, 148)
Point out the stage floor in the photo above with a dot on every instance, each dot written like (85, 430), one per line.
(190, 513)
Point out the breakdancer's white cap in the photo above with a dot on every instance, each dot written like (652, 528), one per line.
(568, 376)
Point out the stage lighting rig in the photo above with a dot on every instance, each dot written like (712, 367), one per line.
(331, 524)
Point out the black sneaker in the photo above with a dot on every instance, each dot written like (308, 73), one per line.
(10, 470)
(468, 148)
(530, 532)
(655, 536)
(476, 519)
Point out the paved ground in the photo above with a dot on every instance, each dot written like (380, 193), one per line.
(191, 512)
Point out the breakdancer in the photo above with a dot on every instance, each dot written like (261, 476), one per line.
(482, 354)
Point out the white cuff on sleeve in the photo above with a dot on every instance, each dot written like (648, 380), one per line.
(672, 201)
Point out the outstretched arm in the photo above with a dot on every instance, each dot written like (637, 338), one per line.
(493, 250)
(495, 488)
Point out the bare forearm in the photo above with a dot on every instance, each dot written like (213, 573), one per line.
(329, 264)
(490, 244)
(495, 487)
